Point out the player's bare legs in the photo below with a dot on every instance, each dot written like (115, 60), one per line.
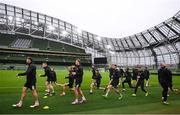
(35, 95)
(23, 95)
(83, 99)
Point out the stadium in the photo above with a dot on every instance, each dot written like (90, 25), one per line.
(27, 34)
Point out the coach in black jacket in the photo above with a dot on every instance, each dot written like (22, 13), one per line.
(164, 80)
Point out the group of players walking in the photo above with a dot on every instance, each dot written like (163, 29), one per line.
(75, 77)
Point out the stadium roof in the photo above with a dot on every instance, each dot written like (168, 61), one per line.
(108, 18)
(160, 43)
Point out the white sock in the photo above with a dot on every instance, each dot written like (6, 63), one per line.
(76, 100)
(20, 102)
(48, 90)
(106, 94)
(83, 98)
(36, 102)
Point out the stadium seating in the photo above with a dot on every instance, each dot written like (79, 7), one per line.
(40, 44)
(6, 40)
(16, 55)
(21, 43)
(14, 48)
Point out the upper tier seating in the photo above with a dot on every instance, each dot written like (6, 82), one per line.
(24, 41)
(21, 43)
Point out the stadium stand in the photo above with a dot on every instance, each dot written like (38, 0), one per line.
(12, 55)
(6, 40)
(24, 41)
(21, 43)
(151, 47)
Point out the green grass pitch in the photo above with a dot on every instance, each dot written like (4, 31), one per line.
(10, 90)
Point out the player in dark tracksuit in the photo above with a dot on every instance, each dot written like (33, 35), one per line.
(135, 72)
(128, 77)
(122, 72)
(113, 84)
(140, 82)
(121, 76)
(70, 78)
(170, 80)
(134, 76)
(164, 81)
(96, 80)
(171, 83)
(54, 76)
(78, 80)
(93, 71)
(146, 75)
(48, 73)
(30, 84)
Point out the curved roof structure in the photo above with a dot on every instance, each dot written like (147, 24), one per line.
(159, 44)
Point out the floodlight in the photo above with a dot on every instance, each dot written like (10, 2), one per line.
(17, 19)
(111, 52)
(36, 23)
(22, 20)
(64, 33)
(10, 18)
(109, 46)
(51, 27)
(98, 38)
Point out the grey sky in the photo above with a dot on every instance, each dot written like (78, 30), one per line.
(110, 18)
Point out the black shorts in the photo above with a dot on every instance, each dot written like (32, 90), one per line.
(70, 85)
(49, 80)
(134, 78)
(147, 78)
(93, 77)
(30, 86)
(170, 84)
(115, 83)
(78, 83)
(97, 80)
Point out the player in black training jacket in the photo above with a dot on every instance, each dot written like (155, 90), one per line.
(171, 87)
(146, 74)
(48, 73)
(30, 84)
(128, 77)
(78, 80)
(164, 81)
(140, 82)
(113, 84)
(96, 79)
(70, 82)
(54, 76)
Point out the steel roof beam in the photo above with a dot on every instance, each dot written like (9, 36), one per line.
(171, 29)
(152, 35)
